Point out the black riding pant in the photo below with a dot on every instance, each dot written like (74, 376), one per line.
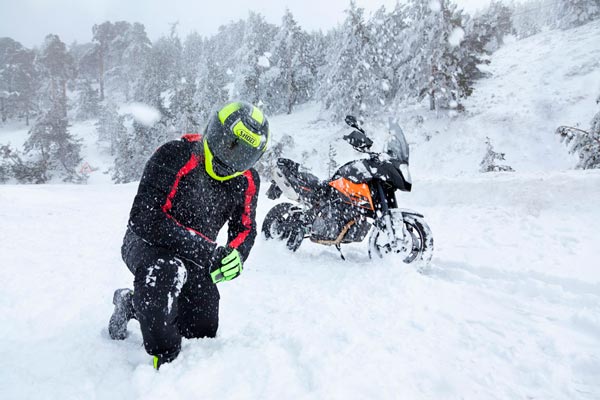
(172, 297)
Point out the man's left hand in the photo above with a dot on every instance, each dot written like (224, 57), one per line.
(226, 265)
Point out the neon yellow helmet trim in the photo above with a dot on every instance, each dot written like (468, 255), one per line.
(228, 110)
(257, 115)
(208, 165)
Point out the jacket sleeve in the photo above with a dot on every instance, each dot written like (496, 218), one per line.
(242, 222)
(149, 217)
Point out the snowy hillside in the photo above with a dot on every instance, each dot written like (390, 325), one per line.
(536, 85)
(510, 308)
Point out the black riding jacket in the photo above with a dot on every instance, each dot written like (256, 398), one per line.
(179, 207)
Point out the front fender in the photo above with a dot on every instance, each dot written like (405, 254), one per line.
(407, 211)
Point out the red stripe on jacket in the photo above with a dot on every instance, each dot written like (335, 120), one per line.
(246, 220)
(192, 137)
(186, 169)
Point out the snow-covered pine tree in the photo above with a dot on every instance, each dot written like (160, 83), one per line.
(127, 167)
(110, 127)
(316, 61)
(57, 68)
(102, 36)
(572, 13)
(226, 45)
(290, 78)
(52, 149)
(8, 49)
(181, 87)
(530, 17)
(470, 54)
(388, 54)
(488, 164)
(18, 80)
(347, 80)
(5, 164)
(212, 84)
(160, 79)
(119, 50)
(134, 148)
(438, 69)
(13, 165)
(252, 58)
(586, 144)
(88, 105)
(184, 107)
(490, 26)
(134, 51)
(50, 146)
(85, 59)
(161, 76)
(194, 49)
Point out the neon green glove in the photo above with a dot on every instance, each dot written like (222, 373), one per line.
(226, 265)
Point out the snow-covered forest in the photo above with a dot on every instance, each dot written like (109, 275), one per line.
(427, 53)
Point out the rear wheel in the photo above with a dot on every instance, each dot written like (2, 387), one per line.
(283, 222)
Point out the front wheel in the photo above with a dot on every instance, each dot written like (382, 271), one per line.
(414, 245)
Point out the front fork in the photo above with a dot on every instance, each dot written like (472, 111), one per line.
(388, 225)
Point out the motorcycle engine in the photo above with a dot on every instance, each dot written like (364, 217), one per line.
(326, 226)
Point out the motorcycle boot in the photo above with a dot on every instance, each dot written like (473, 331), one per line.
(122, 314)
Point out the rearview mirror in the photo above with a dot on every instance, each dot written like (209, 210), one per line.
(351, 120)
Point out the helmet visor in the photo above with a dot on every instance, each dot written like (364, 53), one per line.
(230, 152)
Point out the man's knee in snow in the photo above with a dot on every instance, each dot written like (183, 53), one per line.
(159, 283)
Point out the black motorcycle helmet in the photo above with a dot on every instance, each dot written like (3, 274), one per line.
(236, 137)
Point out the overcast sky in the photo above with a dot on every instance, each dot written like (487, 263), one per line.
(29, 21)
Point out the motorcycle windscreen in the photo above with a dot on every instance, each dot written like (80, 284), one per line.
(357, 194)
(397, 146)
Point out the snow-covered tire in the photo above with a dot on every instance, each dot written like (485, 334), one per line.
(273, 226)
(420, 242)
(422, 249)
(283, 223)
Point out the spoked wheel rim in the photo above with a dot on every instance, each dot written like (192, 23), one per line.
(275, 230)
(416, 248)
(409, 249)
(416, 243)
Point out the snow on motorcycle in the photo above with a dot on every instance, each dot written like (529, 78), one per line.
(359, 200)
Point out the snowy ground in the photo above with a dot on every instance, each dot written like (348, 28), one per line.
(509, 310)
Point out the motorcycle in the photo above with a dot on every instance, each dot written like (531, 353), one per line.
(358, 200)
